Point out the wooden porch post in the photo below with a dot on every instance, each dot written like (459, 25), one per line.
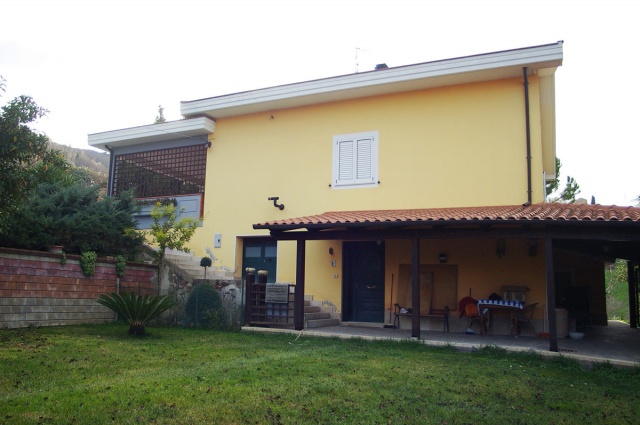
(298, 298)
(633, 295)
(415, 288)
(551, 294)
(248, 301)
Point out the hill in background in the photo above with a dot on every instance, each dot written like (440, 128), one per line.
(90, 166)
(85, 158)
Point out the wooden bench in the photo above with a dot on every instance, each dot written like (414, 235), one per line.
(434, 313)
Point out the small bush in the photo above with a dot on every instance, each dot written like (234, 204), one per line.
(203, 306)
(136, 309)
(121, 264)
(88, 263)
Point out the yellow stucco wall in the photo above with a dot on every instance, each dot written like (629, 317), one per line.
(446, 147)
(480, 271)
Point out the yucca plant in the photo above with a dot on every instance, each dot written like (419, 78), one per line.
(136, 309)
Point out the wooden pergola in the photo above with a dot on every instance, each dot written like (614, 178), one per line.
(608, 232)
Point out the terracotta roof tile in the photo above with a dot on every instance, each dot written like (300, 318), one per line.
(535, 212)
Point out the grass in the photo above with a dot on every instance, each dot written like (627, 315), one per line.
(101, 375)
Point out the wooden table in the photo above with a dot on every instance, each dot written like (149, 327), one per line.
(512, 307)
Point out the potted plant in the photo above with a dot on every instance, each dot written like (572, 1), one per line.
(205, 262)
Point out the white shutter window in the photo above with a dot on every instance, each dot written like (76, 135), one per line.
(345, 161)
(363, 160)
(355, 160)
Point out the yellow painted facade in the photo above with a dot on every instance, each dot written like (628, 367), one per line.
(453, 146)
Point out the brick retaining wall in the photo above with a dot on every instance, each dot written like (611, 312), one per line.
(37, 290)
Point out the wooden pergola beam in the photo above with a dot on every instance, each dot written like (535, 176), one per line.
(298, 298)
(551, 294)
(594, 233)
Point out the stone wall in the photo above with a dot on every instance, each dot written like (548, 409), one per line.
(42, 289)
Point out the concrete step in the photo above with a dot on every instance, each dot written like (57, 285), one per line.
(191, 264)
(312, 309)
(322, 323)
(186, 264)
(317, 316)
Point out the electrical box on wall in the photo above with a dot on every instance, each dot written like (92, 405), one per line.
(217, 240)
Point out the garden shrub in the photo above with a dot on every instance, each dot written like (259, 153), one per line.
(203, 307)
(75, 217)
(121, 264)
(137, 310)
(88, 263)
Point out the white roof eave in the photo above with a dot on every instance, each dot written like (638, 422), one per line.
(468, 69)
(152, 133)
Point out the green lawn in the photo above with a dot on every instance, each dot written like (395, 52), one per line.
(99, 374)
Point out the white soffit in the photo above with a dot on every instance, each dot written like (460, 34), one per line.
(153, 133)
(468, 69)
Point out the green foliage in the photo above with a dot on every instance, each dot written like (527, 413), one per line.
(205, 262)
(167, 231)
(136, 309)
(160, 117)
(617, 291)
(161, 201)
(88, 177)
(88, 263)
(121, 263)
(570, 191)
(553, 185)
(203, 307)
(93, 163)
(25, 157)
(76, 218)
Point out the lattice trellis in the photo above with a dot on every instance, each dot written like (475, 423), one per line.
(163, 172)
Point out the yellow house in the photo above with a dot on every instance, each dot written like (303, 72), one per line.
(419, 185)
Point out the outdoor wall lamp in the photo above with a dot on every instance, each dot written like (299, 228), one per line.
(442, 257)
(501, 248)
(275, 202)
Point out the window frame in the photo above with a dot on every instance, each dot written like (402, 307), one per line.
(366, 157)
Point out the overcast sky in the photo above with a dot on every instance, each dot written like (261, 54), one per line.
(100, 65)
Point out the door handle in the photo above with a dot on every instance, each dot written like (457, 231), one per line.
(371, 286)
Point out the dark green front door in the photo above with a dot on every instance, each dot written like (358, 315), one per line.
(261, 254)
(363, 283)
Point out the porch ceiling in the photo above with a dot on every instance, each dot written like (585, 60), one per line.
(609, 231)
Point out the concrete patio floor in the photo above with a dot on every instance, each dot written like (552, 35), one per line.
(616, 343)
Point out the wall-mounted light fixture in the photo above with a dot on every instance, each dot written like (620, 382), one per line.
(275, 202)
(533, 247)
(501, 248)
(442, 257)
